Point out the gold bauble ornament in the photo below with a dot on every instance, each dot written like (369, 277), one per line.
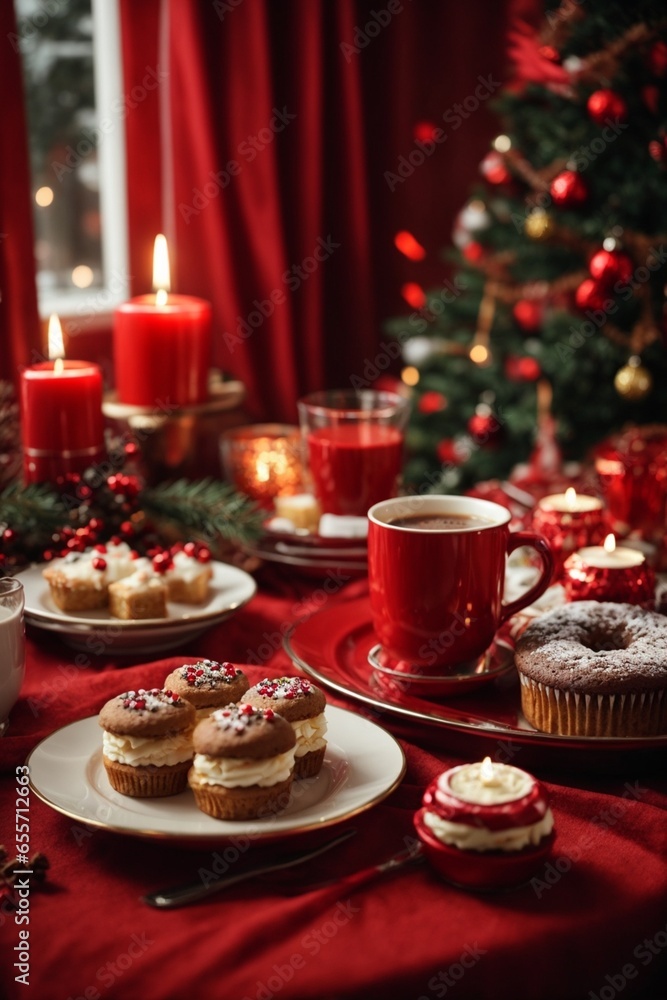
(538, 224)
(633, 382)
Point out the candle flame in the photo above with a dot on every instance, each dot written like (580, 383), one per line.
(161, 275)
(571, 497)
(56, 348)
(486, 769)
(609, 543)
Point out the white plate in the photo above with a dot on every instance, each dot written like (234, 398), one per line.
(363, 764)
(97, 631)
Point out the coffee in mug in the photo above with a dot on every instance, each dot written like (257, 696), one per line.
(436, 568)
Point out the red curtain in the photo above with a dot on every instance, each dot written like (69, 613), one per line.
(20, 335)
(265, 155)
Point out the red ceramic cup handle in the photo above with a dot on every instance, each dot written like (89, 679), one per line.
(541, 546)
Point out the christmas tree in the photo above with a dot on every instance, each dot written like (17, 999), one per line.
(557, 302)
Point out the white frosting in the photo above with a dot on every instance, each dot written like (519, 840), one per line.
(140, 750)
(119, 561)
(78, 566)
(241, 772)
(143, 578)
(474, 838)
(505, 783)
(186, 567)
(310, 734)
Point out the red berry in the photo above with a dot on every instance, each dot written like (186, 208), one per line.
(204, 555)
(100, 548)
(269, 713)
(190, 548)
(116, 539)
(8, 535)
(99, 563)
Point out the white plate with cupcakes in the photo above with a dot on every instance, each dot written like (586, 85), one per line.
(109, 599)
(129, 771)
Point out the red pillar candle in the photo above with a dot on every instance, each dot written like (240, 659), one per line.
(607, 573)
(162, 344)
(62, 427)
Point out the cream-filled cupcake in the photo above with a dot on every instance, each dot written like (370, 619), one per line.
(244, 761)
(147, 742)
(208, 685)
(302, 704)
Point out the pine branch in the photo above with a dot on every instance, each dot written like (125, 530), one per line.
(32, 509)
(206, 507)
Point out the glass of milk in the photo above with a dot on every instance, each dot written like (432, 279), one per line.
(12, 647)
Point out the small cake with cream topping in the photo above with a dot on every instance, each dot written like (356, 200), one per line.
(208, 685)
(147, 742)
(485, 825)
(141, 595)
(244, 762)
(188, 576)
(80, 581)
(302, 704)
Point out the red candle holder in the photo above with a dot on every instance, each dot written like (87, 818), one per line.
(569, 522)
(631, 581)
(264, 461)
(485, 826)
(632, 471)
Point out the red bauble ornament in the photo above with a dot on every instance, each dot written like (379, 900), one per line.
(606, 104)
(522, 369)
(494, 170)
(448, 452)
(590, 295)
(473, 252)
(657, 58)
(568, 189)
(432, 402)
(485, 430)
(609, 266)
(528, 314)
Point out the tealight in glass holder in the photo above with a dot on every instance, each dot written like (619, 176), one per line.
(264, 461)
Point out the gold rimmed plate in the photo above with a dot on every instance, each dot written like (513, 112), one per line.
(230, 588)
(363, 764)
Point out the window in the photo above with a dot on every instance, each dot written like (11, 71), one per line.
(72, 72)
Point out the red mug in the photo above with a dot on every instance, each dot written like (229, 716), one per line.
(436, 592)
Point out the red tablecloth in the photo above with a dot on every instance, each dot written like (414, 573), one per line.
(595, 926)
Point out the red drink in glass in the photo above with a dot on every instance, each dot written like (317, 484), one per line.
(354, 465)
